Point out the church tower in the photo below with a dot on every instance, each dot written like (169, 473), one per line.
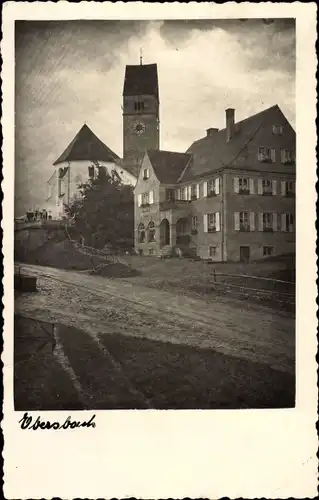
(140, 113)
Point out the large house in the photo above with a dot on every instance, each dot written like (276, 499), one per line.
(230, 197)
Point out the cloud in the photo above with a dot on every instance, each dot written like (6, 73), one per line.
(68, 73)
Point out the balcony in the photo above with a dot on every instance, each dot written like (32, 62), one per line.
(173, 204)
(212, 229)
(244, 229)
(211, 194)
(244, 191)
(268, 229)
(267, 193)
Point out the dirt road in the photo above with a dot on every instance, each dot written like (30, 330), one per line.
(99, 305)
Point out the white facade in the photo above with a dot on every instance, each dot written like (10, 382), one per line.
(63, 185)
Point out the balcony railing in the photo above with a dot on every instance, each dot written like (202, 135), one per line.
(211, 194)
(267, 192)
(267, 229)
(173, 204)
(244, 191)
(244, 228)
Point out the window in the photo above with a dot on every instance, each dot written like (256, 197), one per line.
(194, 224)
(287, 222)
(267, 220)
(244, 221)
(277, 129)
(211, 188)
(267, 155)
(212, 251)
(288, 188)
(139, 106)
(91, 172)
(211, 222)
(287, 157)
(145, 199)
(151, 232)
(169, 194)
(102, 172)
(146, 174)
(194, 191)
(141, 233)
(266, 187)
(243, 185)
(268, 251)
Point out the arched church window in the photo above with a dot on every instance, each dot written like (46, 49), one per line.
(141, 233)
(151, 232)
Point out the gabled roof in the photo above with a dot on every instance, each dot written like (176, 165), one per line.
(214, 152)
(87, 146)
(168, 165)
(141, 80)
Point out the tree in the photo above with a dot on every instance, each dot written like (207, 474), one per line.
(104, 211)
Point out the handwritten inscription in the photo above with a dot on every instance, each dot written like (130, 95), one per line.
(27, 422)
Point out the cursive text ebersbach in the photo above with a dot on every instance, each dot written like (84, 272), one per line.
(27, 423)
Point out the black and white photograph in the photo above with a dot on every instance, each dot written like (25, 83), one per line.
(163, 208)
(155, 224)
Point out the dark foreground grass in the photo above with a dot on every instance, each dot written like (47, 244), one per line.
(182, 377)
(40, 383)
(133, 373)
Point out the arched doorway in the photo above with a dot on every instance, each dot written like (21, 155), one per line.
(164, 233)
(182, 231)
(141, 233)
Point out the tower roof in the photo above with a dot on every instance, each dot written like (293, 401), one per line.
(87, 146)
(141, 79)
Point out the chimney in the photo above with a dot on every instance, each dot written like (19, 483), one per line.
(211, 131)
(230, 123)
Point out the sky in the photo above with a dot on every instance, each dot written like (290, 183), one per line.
(71, 72)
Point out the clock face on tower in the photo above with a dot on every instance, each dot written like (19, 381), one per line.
(139, 128)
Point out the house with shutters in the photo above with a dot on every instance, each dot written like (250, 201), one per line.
(85, 158)
(229, 197)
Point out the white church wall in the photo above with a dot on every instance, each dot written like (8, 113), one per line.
(77, 173)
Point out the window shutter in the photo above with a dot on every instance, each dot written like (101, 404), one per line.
(139, 200)
(251, 186)
(260, 186)
(189, 193)
(260, 221)
(274, 187)
(178, 194)
(273, 155)
(252, 221)
(283, 155)
(283, 188)
(236, 185)
(291, 226)
(217, 218)
(205, 223)
(185, 193)
(274, 222)
(217, 185)
(151, 197)
(205, 189)
(283, 222)
(236, 221)
(197, 191)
